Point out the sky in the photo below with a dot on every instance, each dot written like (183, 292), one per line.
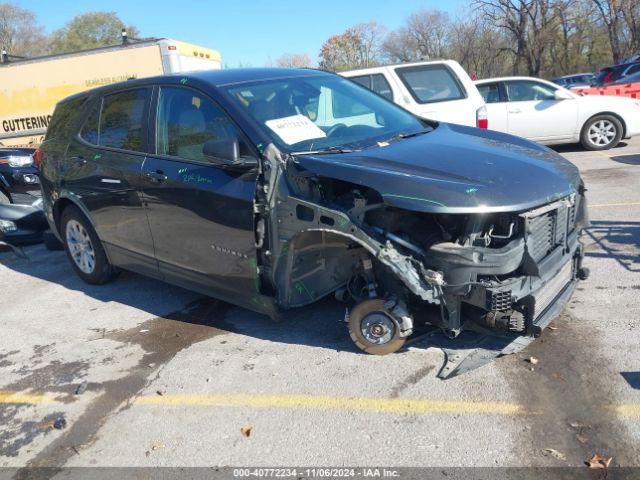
(245, 32)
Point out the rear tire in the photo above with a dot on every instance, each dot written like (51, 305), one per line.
(601, 132)
(84, 249)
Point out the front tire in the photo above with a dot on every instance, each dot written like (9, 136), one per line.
(84, 249)
(601, 132)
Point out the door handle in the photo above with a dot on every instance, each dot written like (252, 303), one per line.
(80, 160)
(157, 176)
(515, 110)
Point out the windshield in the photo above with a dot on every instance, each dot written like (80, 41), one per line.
(304, 114)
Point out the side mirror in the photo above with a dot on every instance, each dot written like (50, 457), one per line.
(226, 153)
(562, 94)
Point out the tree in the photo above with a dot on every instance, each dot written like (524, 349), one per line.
(357, 47)
(424, 36)
(294, 60)
(20, 33)
(90, 30)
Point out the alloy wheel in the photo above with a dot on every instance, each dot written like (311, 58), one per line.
(601, 133)
(80, 247)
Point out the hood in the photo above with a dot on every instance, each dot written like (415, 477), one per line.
(455, 169)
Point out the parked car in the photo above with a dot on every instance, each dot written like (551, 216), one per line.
(614, 73)
(439, 90)
(577, 80)
(235, 184)
(633, 78)
(22, 224)
(542, 111)
(18, 176)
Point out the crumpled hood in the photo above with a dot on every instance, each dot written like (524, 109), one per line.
(455, 169)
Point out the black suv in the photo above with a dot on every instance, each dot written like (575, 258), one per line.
(273, 188)
(19, 181)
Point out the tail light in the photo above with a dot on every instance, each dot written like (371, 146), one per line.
(482, 120)
(37, 157)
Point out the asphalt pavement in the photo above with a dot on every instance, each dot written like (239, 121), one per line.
(147, 374)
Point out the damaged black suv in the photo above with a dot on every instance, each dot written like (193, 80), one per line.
(273, 188)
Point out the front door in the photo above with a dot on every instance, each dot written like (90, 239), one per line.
(534, 113)
(201, 215)
(102, 168)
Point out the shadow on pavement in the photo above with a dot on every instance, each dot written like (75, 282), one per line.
(618, 240)
(576, 147)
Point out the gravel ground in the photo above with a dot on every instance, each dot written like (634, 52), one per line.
(172, 378)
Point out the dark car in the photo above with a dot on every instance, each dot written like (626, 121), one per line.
(22, 224)
(575, 81)
(273, 188)
(19, 181)
(612, 74)
(633, 78)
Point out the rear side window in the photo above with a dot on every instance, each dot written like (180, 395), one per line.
(490, 92)
(375, 82)
(187, 120)
(64, 115)
(364, 80)
(91, 130)
(122, 120)
(380, 85)
(431, 83)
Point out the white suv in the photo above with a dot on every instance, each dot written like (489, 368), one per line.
(439, 90)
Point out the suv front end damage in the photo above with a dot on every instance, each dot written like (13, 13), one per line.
(490, 278)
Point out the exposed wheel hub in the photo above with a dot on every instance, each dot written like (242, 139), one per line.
(378, 328)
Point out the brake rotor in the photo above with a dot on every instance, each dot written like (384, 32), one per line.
(373, 329)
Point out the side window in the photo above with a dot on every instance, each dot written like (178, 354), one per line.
(91, 130)
(431, 83)
(364, 80)
(63, 116)
(490, 92)
(343, 106)
(380, 85)
(122, 120)
(525, 91)
(186, 121)
(633, 69)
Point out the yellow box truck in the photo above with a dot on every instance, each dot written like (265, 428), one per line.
(30, 88)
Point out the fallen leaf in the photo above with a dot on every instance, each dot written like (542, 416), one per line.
(532, 360)
(578, 425)
(47, 426)
(582, 438)
(551, 327)
(157, 446)
(597, 461)
(160, 392)
(246, 430)
(555, 453)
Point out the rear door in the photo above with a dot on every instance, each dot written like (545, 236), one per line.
(201, 214)
(102, 169)
(534, 113)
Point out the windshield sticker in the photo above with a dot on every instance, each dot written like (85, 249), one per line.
(295, 128)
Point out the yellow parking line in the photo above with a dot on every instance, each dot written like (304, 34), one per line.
(28, 398)
(624, 204)
(383, 405)
(628, 410)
